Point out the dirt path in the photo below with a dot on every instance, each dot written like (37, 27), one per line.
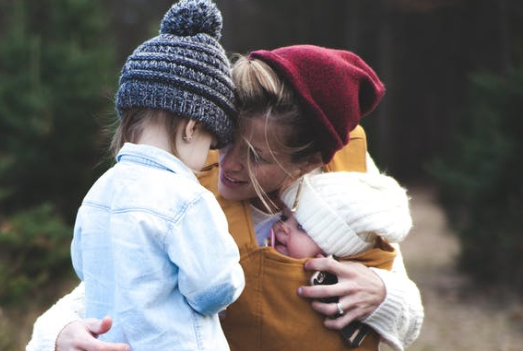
(456, 317)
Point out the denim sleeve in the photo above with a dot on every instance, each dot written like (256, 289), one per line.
(210, 275)
(76, 251)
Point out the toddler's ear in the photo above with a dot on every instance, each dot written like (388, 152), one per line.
(189, 127)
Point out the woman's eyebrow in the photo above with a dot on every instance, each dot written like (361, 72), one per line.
(255, 148)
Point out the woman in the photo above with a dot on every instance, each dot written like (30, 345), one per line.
(297, 107)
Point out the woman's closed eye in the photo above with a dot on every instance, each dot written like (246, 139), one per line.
(256, 158)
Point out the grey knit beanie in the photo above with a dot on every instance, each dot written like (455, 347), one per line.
(343, 212)
(183, 70)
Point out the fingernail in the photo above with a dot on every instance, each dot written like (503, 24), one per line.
(299, 291)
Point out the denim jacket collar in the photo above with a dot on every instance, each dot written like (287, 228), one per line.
(154, 157)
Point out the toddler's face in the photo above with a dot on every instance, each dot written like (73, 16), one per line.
(291, 240)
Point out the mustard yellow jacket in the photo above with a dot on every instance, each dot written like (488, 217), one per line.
(269, 315)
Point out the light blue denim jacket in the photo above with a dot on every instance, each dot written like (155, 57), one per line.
(153, 248)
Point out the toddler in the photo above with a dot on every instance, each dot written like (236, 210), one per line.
(150, 243)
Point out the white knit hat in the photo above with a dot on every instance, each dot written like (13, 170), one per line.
(343, 212)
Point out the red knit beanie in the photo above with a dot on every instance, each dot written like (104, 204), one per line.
(336, 88)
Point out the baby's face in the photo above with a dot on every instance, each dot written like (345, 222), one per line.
(291, 240)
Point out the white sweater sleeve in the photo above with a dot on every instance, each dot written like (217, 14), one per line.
(69, 308)
(399, 318)
(371, 166)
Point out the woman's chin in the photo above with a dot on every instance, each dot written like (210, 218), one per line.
(231, 193)
(235, 190)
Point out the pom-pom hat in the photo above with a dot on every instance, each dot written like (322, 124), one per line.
(343, 212)
(335, 87)
(183, 70)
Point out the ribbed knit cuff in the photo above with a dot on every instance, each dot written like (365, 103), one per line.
(388, 318)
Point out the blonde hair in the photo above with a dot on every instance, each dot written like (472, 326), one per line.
(262, 94)
(133, 122)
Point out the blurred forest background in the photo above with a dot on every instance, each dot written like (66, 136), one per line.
(452, 118)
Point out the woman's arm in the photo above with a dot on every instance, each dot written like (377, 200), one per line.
(47, 327)
(388, 301)
(61, 329)
(403, 302)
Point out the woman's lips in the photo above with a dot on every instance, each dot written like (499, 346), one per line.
(230, 182)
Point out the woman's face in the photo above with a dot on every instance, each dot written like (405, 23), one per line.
(271, 169)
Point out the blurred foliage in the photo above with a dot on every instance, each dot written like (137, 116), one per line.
(480, 179)
(34, 249)
(57, 72)
(56, 75)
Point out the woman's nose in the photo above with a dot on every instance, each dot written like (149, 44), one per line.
(230, 159)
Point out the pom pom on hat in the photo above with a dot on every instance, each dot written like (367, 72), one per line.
(343, 212)
(191, 17)
(184, 70)
(336, 88)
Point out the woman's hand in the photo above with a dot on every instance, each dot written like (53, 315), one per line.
(82, 336)
(360, 291)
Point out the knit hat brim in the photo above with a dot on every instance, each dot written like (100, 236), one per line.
(182, 102)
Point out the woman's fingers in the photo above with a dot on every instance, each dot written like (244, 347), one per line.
(359, 289)
(97, 345)
(334, 320)
(325, 291)
(98, 326)
(321, 264)
(81, 336)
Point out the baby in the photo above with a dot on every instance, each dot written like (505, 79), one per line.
(341, 214)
